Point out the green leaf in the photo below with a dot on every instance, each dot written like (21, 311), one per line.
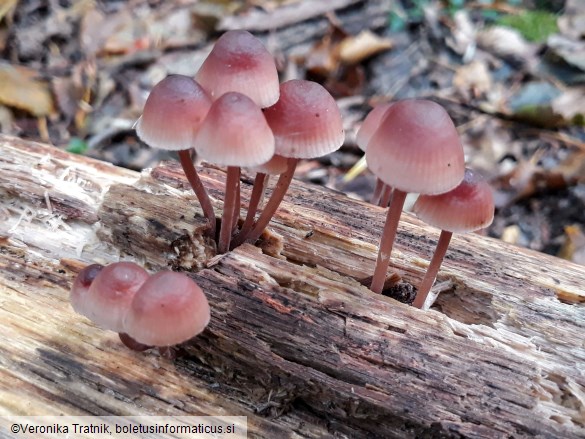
(535, 26)
(77, 146)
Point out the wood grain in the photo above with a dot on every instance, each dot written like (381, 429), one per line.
(296, 342)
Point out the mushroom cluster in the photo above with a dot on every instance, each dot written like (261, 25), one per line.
(235, 114)
(412, 146)
(162, 310)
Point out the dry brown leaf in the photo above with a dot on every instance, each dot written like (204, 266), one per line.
(473, 79)
(573, 249)
(6, 6)
(20, 88)
(354, 49)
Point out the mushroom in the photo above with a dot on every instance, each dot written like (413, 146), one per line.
(382, 192)
(168, 309)
(103, 294)
(415, 149)
(306, 123)
(234, 134)
(239, 62)
(468, 207)
(175, 108)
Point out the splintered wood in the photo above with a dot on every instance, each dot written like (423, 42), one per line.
(296, 342)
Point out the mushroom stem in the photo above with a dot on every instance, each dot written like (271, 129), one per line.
(272, 204)
(227, 219)
(198, 188)
(387, 240)
(427, 282)
(258, 191)
(377, 191)
(236, 218)
(386, 196)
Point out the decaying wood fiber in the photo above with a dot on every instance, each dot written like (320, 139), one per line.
(296, 342)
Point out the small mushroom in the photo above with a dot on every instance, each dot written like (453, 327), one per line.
(468, 207)
(168, 309)
(234, 134)
(382, 192)
(173, 112)
(103, 294)
(306, 123)
(415, 149)
(239, 62)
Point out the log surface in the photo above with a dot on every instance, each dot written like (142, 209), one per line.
(296, 343)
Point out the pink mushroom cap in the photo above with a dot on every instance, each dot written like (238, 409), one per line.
(468, 207)
(235, 133)
(417, 149)
(276, 165)
(239, 62)
(306, 121)
(370, 125)
(170, 308)
(172, 114)
(104, 296)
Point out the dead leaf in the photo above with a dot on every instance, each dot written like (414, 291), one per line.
(573, 249)
(20, 88)
(505, 42)
(354, 49)
(473, 79)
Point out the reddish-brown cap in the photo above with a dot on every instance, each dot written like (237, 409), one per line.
(370, 125)
(417, 149)
(468, 207)
(173, 112)
(104, 295)
(235, 133)
(306, 121)
(169, 309)
(276, 165)
(240, 62)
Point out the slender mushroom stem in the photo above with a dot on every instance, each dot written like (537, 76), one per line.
(427, 282)
(272, 204)
(258, 191)
(387, 240)
(236, 218)
(386, 196)
(198, 188)
(225, 233)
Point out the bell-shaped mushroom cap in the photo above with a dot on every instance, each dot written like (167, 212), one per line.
(370, 125)
(235, 133)
(276, 165)
(169, 309)
(81, 284)
(417, 149)
(105, 299)
(468, 207)
(306, 121)
(173, 112)
(240, 62)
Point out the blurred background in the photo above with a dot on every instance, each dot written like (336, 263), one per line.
(510, 73)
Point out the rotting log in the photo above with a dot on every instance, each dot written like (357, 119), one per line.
(296, 342)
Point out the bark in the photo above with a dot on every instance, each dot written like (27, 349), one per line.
(296, 342)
